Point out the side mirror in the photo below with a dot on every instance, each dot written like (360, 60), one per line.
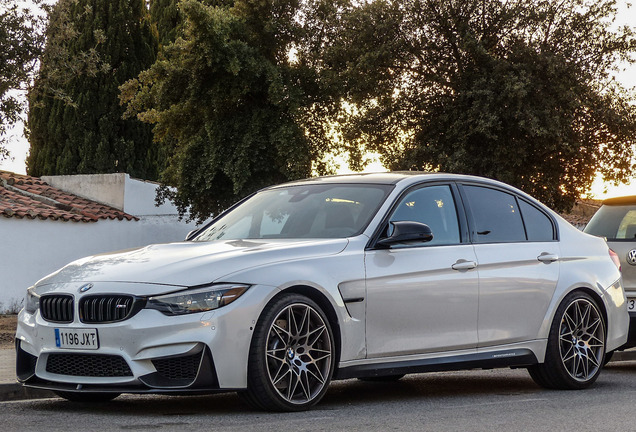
(407, 232)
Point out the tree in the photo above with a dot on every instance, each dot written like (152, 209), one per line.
(20, 45)
(75, 120)
(237, 111)
(164, 14)
(520, 91)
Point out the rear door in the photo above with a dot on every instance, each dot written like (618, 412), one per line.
(518, 256)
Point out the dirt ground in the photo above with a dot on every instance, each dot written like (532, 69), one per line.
(7, 330)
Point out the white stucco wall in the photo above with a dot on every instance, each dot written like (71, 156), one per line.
(31, 249)
(104, 188)
(119, 190)
(139, 199)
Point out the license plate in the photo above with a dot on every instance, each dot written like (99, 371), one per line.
(76, 338)
(631, 304)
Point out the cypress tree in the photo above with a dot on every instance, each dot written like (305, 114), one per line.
(75, 118)
(165, 15)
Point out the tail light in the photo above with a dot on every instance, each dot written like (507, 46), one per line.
(614, 256)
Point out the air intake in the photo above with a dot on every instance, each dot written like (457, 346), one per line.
(88, 365)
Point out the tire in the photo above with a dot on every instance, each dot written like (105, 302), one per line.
(292, 356)
(385, 378)
(86, 397)
(576, 345)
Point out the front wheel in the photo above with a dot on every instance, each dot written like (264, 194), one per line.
(291, 357)
(576, 345)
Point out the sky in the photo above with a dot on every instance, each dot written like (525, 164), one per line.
(19, 147)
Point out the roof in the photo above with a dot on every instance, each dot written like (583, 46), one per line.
(625, 200)
(388, 178)
(23, 196)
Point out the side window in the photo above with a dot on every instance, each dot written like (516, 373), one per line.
(538, 225)
(496, 216)
(434, 206)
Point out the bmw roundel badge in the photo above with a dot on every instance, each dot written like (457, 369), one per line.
(85, 287)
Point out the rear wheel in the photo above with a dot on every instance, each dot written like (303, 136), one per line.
(291, 357)
(86, 397)
(576, 345)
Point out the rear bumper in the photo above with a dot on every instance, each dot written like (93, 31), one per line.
(631, 336)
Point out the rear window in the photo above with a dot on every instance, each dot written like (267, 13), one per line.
(614, 223)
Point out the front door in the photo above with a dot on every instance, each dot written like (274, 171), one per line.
(423, 298)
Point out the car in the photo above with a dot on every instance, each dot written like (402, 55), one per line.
(616, 222)
(369, 276)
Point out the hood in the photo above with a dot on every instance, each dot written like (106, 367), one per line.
(189, 263)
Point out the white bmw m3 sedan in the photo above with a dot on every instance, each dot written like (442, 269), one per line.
(363, 276)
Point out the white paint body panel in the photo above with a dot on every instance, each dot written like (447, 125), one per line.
(513, 286)
(416, 303)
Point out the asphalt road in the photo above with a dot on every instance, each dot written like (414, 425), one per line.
(500, 400)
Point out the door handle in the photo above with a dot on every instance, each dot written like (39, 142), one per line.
(548, 257)
(463, 264)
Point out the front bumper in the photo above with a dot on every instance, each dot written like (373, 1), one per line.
(187, 374)
(148, 353)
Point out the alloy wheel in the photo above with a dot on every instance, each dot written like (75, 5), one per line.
(298, 353)
(582, 339)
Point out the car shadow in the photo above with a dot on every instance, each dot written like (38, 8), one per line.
(345, 394)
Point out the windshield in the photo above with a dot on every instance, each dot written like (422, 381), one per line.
(614, 223)
(303, 211)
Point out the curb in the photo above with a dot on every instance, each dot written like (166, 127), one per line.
(15, 392)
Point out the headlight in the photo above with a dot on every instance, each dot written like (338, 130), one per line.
(196, 300)
(32, 301)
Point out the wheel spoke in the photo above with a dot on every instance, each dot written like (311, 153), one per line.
(317, 374)
(293, 383)
(272, 354)
(569, 353)
(278, 377)
(279, 332)
(592, 357)
(304, 384)
(570, 323)
(304, 323)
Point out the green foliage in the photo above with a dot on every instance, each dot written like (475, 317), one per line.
(252, 93)
(20, 45)
(520, 90)
(231, 109)
(75, 121)
(164, 14)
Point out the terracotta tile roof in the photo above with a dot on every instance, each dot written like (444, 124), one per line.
(23, 196)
